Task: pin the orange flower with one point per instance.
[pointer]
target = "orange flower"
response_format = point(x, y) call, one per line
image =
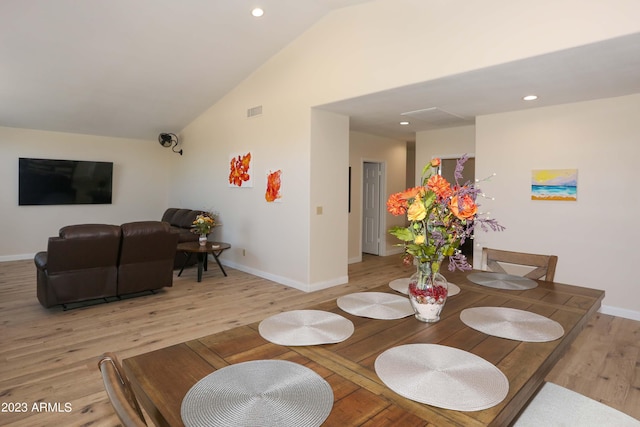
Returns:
point(410, 193)
point(440, 186)
point(463, 209)
point(396, 205)
point(435, 162)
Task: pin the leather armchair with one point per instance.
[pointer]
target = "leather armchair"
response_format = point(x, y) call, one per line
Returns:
point(181, 221)
point(80, 264)
point(146, 256)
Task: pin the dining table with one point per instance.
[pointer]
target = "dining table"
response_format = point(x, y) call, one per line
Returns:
point(162, 378)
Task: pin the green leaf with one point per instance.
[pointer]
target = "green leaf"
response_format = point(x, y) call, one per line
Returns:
point(402, 233)
point(431, 197)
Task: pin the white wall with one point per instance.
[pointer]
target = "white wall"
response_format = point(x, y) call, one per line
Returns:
point(329, 199)
point(443, 143)
point(270, 240)
point(392, 154)
point(140, 182)
point(595, 237)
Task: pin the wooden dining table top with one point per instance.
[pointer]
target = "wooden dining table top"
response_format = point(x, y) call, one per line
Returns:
point(162, 378)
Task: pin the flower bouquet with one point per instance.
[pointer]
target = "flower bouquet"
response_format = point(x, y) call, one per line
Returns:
point(441, 217)
point(202, 225)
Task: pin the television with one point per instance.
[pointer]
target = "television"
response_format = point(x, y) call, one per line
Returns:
point(64, 182)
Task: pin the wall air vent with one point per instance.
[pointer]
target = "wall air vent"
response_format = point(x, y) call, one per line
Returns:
point(254, 111)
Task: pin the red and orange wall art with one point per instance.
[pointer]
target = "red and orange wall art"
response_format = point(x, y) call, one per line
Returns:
point(239, 170)
point(274, 183)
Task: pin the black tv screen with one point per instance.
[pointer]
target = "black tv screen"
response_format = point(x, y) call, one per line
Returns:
point(64, 182)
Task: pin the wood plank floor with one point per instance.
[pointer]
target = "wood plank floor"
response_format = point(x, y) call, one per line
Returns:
point(49, 356)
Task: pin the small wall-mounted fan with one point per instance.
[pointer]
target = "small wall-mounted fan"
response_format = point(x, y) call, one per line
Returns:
point(169, 139)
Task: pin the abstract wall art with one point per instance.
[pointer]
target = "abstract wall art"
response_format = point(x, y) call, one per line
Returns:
point(240, 173)
point(274, 186)
point(554, 184)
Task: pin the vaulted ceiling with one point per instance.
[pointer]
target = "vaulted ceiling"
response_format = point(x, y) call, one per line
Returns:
point(134, 69)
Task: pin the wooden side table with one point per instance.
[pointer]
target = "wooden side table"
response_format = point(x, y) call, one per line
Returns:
point(201, 251)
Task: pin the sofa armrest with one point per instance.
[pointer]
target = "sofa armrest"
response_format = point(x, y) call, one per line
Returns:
point(41, 260)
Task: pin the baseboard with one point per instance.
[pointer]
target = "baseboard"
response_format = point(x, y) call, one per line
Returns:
point(620, 312)
point(394, 251)
point(18, 257)
point(305, 287)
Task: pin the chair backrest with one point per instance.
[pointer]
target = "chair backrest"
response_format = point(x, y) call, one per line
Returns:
point(82, 247)
point(80, 264)
point(182, 218)
point(119, 391)
point(147, 256)
point(543, 265)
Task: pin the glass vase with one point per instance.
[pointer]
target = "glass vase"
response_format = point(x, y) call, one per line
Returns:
point(202, 239)
point(427, 293)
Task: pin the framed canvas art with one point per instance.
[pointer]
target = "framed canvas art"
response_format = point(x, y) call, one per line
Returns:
point(274, 186)
point(554, 184)
point(240, 173)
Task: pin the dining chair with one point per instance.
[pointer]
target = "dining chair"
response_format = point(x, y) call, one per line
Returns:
point(119, 391)
point(554, 405)
point(543, 265)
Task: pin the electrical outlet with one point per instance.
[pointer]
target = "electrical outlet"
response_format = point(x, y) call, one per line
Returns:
point(318, 210)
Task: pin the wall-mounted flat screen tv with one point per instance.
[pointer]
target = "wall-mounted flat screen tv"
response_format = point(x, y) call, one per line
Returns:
point(64, 182)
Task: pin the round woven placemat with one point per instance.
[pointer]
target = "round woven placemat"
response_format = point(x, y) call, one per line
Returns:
point(502, 281)
point(512, 324)
point(402, 286)
point(258, 393)
point(376, 305)
point(305, 327)
point(442, 376)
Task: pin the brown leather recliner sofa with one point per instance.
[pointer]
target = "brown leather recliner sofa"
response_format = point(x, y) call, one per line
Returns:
point(92, 261)
point(181, 221)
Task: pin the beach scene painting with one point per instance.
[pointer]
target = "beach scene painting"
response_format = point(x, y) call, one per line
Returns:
point(554, 184)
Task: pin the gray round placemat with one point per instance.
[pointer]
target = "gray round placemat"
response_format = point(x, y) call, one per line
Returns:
point(512, 324)
point(376, 305)
point(305, 327)
point(502, 281)
point(258, 393)
point(402, 286)
point(442, 376)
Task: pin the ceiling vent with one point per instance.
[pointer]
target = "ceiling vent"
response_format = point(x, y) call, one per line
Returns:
point(254, 111)
point(437, 117)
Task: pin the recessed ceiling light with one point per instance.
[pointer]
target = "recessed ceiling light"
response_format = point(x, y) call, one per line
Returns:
point(530, 98)
point(404, 123)
point(257, 12)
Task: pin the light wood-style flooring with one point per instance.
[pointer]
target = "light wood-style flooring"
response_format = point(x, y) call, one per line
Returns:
point(48, 357)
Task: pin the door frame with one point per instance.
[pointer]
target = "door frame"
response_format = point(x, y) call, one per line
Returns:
point(473, 243)
point(452, 157)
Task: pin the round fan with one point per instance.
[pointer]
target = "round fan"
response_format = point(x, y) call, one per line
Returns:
point(169, 139)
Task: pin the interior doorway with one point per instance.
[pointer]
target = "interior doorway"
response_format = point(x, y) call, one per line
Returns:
point(371, 208)
point(447, 170)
